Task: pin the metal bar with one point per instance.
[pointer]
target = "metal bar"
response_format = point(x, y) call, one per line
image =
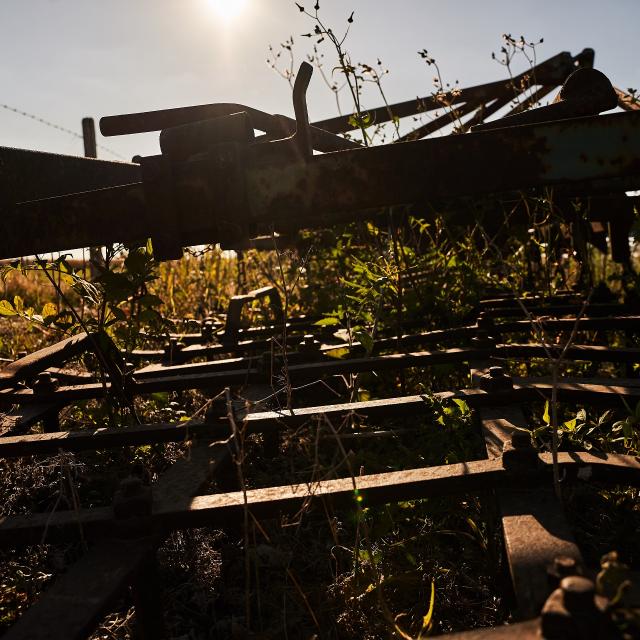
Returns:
point(196, 350)
point(590, 353)
point(552, 71)
point(72, 607)
point(534, 527)
point(296, 194)
point(451, 116)
point(228, 508)
point(89, 138)
point(66, 611)
point(598, 390)
point(28, 366)
point(274, 125)
point(20, 419)
point(56, 175)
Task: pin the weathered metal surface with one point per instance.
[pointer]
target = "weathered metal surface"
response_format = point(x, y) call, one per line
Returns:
point(75, 603)
point(275, 125)
point(195, 349)
point(30, 175)
point(586, 92)
point(225, 508)
point(534, 527)
point(594, 391)
point(301, 194)
point(553, 72)
point(33, 363)
point(72, 607)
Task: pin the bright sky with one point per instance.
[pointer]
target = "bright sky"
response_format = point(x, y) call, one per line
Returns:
point(65, 59)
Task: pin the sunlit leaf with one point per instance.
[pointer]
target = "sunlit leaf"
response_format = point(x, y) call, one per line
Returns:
point(6, 308)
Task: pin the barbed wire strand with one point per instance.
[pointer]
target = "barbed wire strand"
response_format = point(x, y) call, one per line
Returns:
point(53, 125)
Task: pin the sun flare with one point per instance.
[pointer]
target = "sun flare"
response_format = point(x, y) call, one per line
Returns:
point(227, 10)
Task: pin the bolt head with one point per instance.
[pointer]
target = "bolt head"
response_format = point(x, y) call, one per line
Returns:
point(130, 486)
point(521, 439)
point(578, 593)
point(564, 566)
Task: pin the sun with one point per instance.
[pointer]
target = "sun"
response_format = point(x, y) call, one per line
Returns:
point(227, 10)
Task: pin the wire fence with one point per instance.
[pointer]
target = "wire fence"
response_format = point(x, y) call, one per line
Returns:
point(53, 125)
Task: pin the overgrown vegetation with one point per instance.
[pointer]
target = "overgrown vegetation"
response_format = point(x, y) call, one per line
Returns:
point(404, 570)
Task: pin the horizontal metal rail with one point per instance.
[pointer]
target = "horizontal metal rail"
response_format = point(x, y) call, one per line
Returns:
point(272, 502)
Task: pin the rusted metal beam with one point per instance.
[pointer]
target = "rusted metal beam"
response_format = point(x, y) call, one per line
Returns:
point(283, 191)
point(534, 527)
point(588, 390)
point(33, 363)
point(74, 604)
point(553, 72)
point(226, 508)
point(56, 175)
point(72, 607)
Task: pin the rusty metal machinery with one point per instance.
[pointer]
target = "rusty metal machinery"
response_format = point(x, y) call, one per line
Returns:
point(538, 539)
point(215, 181)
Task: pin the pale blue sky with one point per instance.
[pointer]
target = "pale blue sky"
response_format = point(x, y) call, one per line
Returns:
point(65, 59)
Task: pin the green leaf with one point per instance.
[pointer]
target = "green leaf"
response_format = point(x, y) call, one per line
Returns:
point(18, 304)
point(6, 308)
point(137, 262)
point(118, 313)
point(327, 322)
point(462, 405)
point(49, 310)
point(570, 425)
point(428, 617)
point(338, 354)
point(545, 416)
point(365, 340)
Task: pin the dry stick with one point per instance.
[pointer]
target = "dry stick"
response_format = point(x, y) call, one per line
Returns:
point(554, 395)
point(290, 574)
point(367, 539)
point(239, 461)
point(75, 502)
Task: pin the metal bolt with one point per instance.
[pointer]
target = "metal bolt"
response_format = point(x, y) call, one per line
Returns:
point(521, 439)
point(133, 499)
point(564, 566)
point(309, 344)
point(130, 486)
point(485, 321)
point(482, 340)
point(496, 380)
point(578, 594)
point(173, 346)
point(518, 454)
point(45, 383)
point(206, 329)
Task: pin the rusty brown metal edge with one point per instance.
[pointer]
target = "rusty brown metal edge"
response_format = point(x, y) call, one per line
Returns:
point(222, 509)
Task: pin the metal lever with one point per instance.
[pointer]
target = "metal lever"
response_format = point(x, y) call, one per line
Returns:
point(302, 136)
